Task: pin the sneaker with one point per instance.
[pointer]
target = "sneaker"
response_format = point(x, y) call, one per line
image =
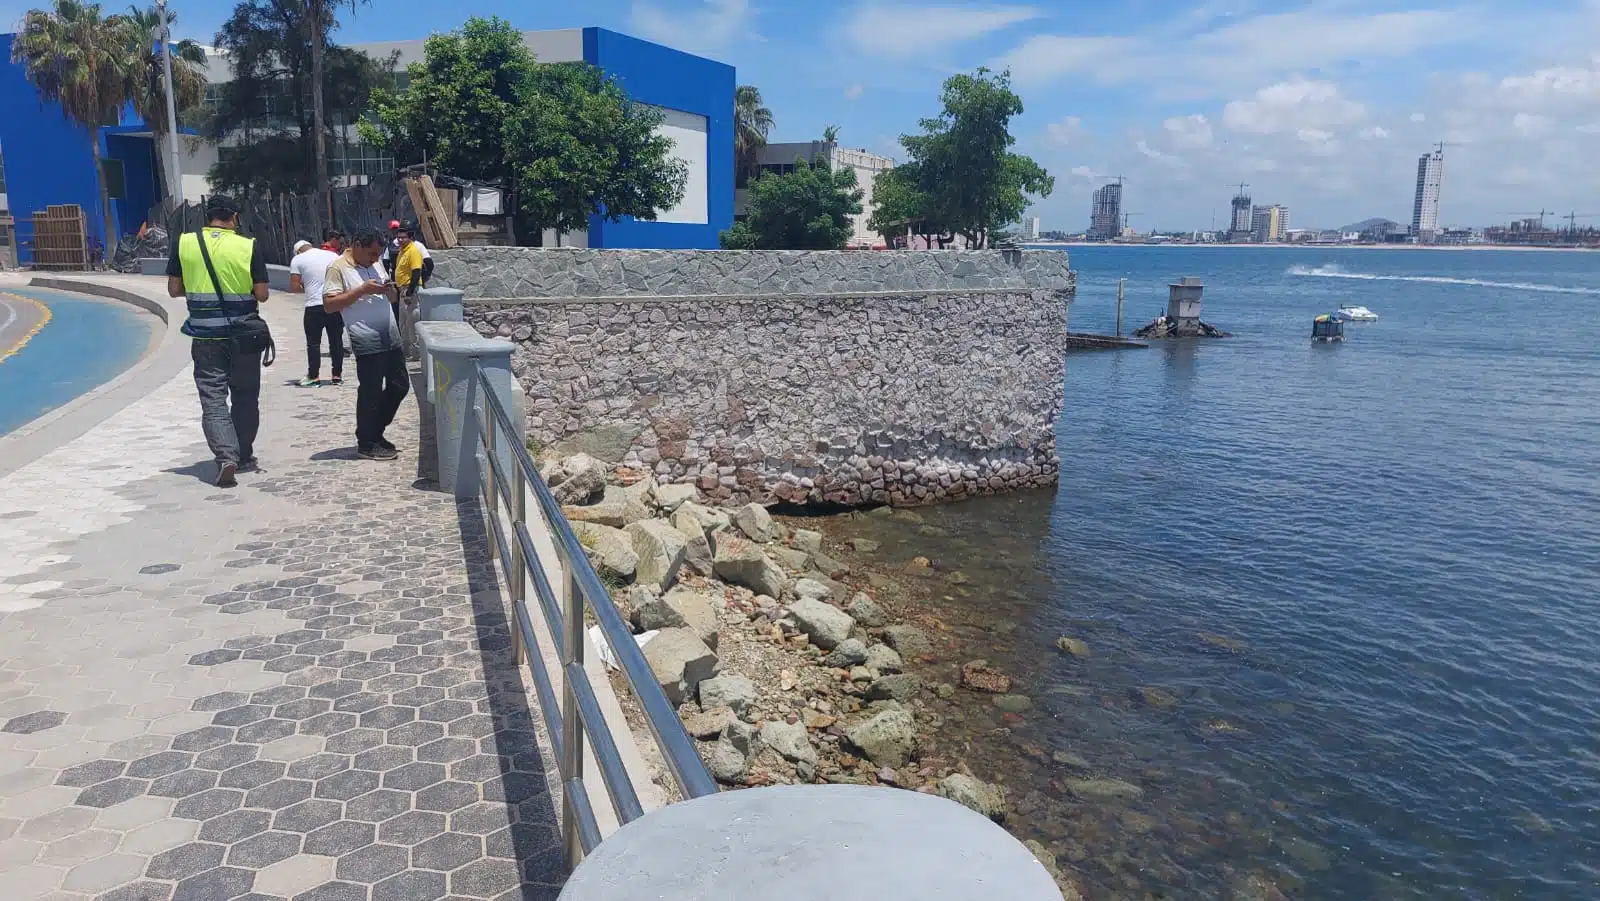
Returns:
point(384, 443)
point(309, 383)
point(336, 380)
point(225, 473)
point(250, 465)
point(376, 452)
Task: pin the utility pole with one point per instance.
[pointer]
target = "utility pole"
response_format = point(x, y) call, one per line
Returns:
point(1120, 282)
point(175, 184)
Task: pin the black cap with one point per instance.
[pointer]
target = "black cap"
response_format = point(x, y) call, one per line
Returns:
point(221, 206)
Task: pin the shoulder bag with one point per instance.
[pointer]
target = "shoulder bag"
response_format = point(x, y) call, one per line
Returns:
point(249, 334)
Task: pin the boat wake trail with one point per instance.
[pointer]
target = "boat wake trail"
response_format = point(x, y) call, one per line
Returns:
point(1336, 272)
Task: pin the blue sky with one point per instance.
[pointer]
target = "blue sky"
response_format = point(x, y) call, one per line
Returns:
point(1321, 106)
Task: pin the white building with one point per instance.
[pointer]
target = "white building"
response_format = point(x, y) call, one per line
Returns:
point(1030, 228)
point(1425, 210)
point(1268, 224)
point(780, 158)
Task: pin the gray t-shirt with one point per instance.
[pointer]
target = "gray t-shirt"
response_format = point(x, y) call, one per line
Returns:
point(369, 321)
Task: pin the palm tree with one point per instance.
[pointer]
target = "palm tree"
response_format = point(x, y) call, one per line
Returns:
point(321, 20)
point(149, 93)
point(830, 134)
point(752, 122)
point(79, 59)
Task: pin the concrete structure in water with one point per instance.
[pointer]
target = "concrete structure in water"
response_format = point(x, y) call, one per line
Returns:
point(48, 160)
point(787, 375)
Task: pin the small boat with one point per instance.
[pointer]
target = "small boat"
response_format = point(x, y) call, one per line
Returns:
point(1327, 328)
point(1351, 312)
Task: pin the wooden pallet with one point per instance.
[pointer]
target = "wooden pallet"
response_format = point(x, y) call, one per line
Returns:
point(438, 228)
point(60, 240)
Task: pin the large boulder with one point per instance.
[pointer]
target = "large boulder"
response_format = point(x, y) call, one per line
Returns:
point(884, 659)
point(661, 550)
point(643, 491)
point(790, 740)
point(743, 563)
point(729, 690)
point(811, 588)
point(866, 611)
point(976, 795)
point(680, 608)
point(825, 624)
point(671, 497)
point(610, 549)
point(755, 522)
point(680, 661)
point(808, 541)
point(575, 479)
point(887, 739)
point(697, 553)
point(828, 566)
point(789, 558)
point(710, 520)
point(846, 654)
point(908, 640)
point(901, 687)
point(616, 508)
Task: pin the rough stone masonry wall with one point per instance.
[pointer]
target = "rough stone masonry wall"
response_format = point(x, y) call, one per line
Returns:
point(846, 396)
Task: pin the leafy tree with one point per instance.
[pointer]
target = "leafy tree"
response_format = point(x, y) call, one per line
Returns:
point(563, 138)
point(577, 147)
point(149, 88)
point(459, 97)
point(830, 134)
point(83, 61)
point(320, 20)
point(267, 102)
point(807, 209)
point(973, 182)
point(752, 122)
point(901, 207)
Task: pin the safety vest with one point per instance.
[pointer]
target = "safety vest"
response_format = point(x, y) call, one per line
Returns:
point(209, 316)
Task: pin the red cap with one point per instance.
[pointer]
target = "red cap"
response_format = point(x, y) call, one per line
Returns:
point(394, 223)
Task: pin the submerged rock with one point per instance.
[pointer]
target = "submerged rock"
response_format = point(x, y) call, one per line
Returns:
point(978, 675)
point(975, 795)
point(1104, 789)
point(863, 545)
point(1077, 647)
point(901, 688)
point(1159, 698)
point(1013, 703)
point(908, 640)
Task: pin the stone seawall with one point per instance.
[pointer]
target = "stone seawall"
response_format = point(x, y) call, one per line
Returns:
point(853, 397)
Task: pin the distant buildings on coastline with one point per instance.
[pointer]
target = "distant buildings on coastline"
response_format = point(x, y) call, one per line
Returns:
point(1425, 209)
point(1105, 212)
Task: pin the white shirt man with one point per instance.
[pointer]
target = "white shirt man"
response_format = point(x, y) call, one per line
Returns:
point(308, 273)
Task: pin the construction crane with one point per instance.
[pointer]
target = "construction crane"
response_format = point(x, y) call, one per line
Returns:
point(1541, 214)
point(1125, 219)
point(1572, 220)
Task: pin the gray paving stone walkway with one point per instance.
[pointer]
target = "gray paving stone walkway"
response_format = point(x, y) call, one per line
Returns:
point(302, 689)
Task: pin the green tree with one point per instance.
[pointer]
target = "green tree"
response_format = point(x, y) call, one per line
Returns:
point(752, 122)
point(830, 134)
point(974, 183)
point(576, 147)
point(80, 59)
point(563, 138)
point(320, 20)
point(807, 209)
point(149, 89)
point(901, 207)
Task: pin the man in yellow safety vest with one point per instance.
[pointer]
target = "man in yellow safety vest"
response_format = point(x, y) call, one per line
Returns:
point(216, 307)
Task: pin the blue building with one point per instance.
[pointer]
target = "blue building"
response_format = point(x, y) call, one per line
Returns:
point(48, 160)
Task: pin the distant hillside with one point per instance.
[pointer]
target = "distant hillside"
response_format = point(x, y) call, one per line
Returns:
point(1368, 224)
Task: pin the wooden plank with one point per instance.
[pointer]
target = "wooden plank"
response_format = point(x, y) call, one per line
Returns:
point(430, 236)
point(451, 200)
point(445, 231)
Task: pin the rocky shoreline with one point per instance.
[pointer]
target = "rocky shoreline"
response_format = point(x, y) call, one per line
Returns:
point(788, 663)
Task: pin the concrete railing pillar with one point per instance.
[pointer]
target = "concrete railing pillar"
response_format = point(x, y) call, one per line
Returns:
point(796, 842)
point(439, 305)
point(452, 351)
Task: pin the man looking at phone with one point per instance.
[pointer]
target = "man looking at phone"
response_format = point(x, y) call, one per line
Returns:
point(359, 290)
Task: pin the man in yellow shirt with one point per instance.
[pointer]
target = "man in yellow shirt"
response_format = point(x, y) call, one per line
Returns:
point(411, 268)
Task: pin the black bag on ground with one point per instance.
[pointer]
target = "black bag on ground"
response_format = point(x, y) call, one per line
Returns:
point(250, 334)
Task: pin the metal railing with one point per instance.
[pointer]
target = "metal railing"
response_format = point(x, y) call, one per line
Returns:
point(578, 714)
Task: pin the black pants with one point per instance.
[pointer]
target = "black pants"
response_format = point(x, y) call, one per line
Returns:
point(317, 321)
point(221, 376)
point(384, 383)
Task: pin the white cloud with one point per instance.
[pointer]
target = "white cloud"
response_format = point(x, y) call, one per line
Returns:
point(1554, 84)
point(1590, 128)
point(1083, 172)
point(1293, 106)
point(853, 92)
point(1374, 133)
point(1065, 132)
point(910, 30)
point(1529, 125)
point(1043, 57)
point(709, 29)
point(1189, 132)
point(1165, 159)
point(1418, 117)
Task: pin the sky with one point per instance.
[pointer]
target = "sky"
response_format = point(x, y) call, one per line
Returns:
point(1322, 106)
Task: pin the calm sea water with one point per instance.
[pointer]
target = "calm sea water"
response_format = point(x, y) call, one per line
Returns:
point(1344, 600)
point(86, 343)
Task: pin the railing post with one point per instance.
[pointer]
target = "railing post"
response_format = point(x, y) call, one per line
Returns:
point(519, 564)
point(571, 719)
point(439, 305)
point(454, 352)
point(490, 430)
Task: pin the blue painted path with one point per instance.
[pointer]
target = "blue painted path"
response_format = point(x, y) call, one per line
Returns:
point(84, 344)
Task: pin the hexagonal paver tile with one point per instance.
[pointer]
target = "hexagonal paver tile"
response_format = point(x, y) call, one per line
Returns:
point(387, 717)
point(445, 711)
point(411, 828)
point(135, 812)
point(346, 785)
point(303, 709)
point(159, 836)
point(476, 769)
point(38, 721)
point(235, 826)
point(447, 852)
point(417, 885)
point(208, 804)
point(112, 792)
point(387, 757)
point(360, 702)
point(185, 861)
point(57, 824)
point(445, 797)
point(226, 757)
point(220, 884)
point(264, 850)
point(243, 715)
point(414, 776)
point(222, 700)
point(103, 873)
point(354, 741)
point(264, 731)
point(486, 878)
point(163, 764)
point(181, 784)
point(340, 838)
point(78, 848)
point(447, 750)
point(335, 891)
point(480, 819)
point(254, 774)
point(372, 863)
point(279, 793)
point(212, 658)
point(307, 816)
point(319, 766)
point(292, 748)
point(377, 806)
point(140, 891)
point(203, 739)
point(86, 774)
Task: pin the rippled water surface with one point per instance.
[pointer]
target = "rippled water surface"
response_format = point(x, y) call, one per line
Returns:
point(1343, 601)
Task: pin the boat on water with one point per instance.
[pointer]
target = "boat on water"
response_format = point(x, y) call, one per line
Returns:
point(1327, 328)
point(1351, 312)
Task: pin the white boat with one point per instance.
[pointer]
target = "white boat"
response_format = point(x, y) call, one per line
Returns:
point(1351, 312)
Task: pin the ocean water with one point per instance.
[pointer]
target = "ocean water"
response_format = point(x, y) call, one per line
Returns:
point(86, 343)
point(1343, 601)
